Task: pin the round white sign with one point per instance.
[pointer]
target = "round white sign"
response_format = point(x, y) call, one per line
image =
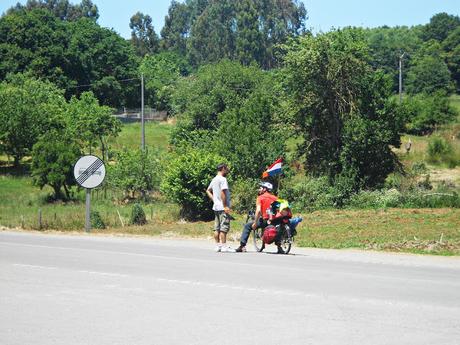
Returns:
point(89, 171)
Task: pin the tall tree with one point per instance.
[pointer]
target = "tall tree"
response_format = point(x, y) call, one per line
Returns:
point(210, 30)
point(102, 62)
point(249, 37)
point(340, 107)
point(176, 28)
point(451, 46)
point(440, 26)
point(388, 44)
point(75, 55)
point(62, 9)
point(28, 108)
point(143, 36)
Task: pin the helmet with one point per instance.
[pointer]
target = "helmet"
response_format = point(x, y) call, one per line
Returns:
point(267, 185)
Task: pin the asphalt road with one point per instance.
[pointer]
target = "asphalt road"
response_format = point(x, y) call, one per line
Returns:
point(60, 289)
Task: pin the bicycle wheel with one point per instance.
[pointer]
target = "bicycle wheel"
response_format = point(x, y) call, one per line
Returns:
point(257, 237)
point(285, 239)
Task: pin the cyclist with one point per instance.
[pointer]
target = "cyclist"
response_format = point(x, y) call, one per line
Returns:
point(263, 203)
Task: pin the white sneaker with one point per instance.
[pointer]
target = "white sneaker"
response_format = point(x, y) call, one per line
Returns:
point(227, 249)
point(218, 249)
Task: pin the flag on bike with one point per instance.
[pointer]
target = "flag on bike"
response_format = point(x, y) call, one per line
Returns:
point(274, 169)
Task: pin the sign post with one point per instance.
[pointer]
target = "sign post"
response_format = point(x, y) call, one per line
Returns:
point(89, 173)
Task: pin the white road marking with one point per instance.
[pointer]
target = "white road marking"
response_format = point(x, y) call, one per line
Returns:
point(36, 266)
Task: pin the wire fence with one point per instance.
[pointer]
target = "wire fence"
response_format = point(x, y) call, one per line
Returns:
point(134, 114)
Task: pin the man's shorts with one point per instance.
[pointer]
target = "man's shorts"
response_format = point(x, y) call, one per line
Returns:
point(221, 221)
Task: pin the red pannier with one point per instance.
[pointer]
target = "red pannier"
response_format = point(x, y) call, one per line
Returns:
point(270, 233)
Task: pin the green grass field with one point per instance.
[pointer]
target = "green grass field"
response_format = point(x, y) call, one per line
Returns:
point(156, 135)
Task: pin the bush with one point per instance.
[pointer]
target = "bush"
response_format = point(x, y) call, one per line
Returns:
point(186, 178)
point(137, 215)
point(441, 151)
point(53, 157)
point(308, 193)
point(244, 194)
point(96, 220)
point(136, 172)
point(423, 113)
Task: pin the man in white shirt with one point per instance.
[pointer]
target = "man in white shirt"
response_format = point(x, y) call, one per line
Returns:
point(219, 193)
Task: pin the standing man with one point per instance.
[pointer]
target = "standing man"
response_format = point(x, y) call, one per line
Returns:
point(219, 193)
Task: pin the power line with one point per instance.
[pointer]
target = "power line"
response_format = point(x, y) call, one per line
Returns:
point(87, 85)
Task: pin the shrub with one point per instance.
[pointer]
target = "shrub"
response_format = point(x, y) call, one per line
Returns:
point(244, 194)
point(96, 220)
point(423, 113)
point(136, 172)
point(186, 178)
point(308, 193)
point(137, 215)
point(441, 151)
point(53, 157)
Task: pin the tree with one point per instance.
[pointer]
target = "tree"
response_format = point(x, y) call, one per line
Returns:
point(249, 38)
point(62, 9)
point(161, 73)
point(185, 180)
point(76, 55)
point(230, 110)
point(388, 44)
point(340, 107)
point(451, 47)
point(422, 112)
point(104, 62)
point(135, 172)
point(176, 28)
point(35, 42)
point(143, 36)
point(429, 75)
point(212, 35)
point(440, 26)
point(28, 108)
point(91, 123)
point(53, 158)
point(209, 30)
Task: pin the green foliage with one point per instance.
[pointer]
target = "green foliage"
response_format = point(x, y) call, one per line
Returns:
point(440, 26)
point(423, 113)
point(91, 123)
point(161, 72)
point(137, 215)
point(62, 9)
point(54, 156)
point(410, 199)
point(186, 178)
point(341, 108)
point(429, 74)
point(441, 151)
point(451, 47)
point(244, 194)
point(387, 45)
point(28, 108)
point(96, 220)
point(143, 36)
point(230, 109)
point(69, 53)
point(135, 173)
point(307, 193)
point(248, 31)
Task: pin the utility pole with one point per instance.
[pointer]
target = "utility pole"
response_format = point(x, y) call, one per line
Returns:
point(400, 77)
point(142, 113)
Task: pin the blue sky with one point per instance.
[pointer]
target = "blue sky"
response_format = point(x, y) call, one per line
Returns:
point(323, 14)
